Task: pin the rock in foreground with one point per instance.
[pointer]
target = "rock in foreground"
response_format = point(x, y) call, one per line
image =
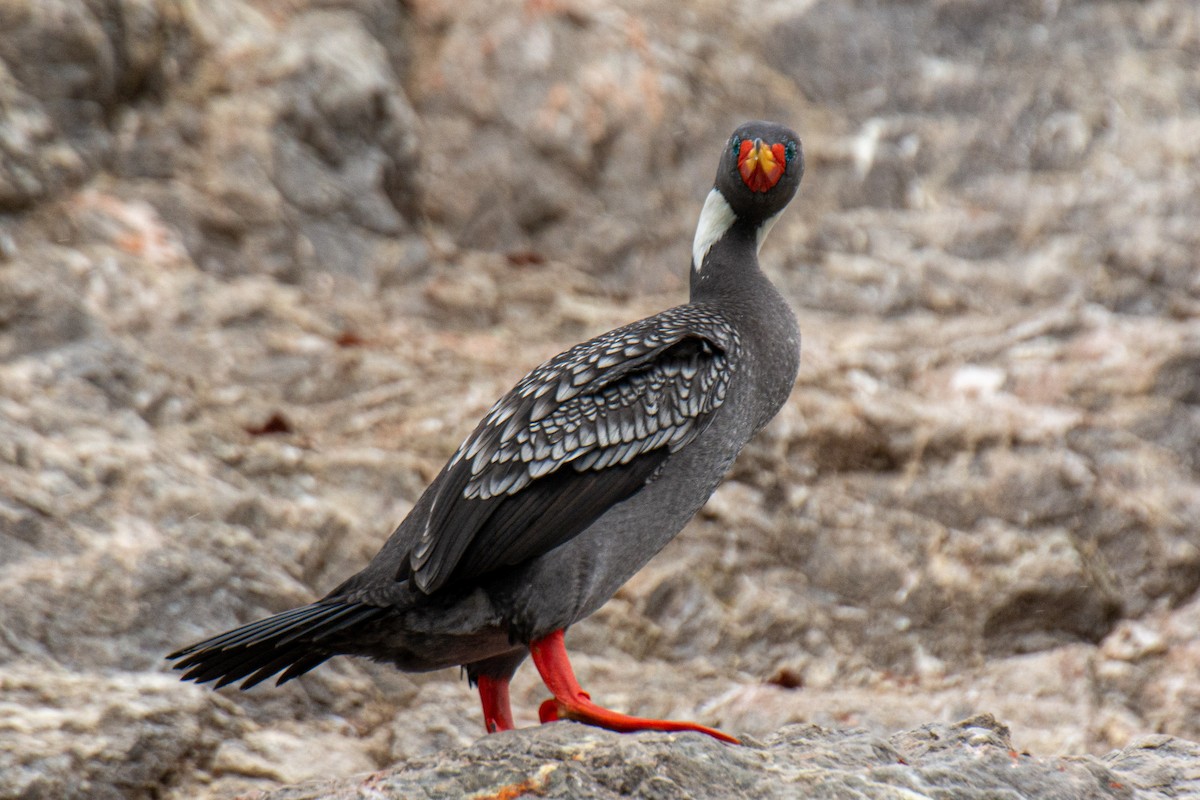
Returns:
point(972, 759)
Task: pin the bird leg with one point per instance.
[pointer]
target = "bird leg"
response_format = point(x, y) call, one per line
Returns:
point(572, 702)
point(497, 712)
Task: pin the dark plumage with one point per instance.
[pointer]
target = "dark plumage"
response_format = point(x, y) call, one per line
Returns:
point(578, 434)
point(572, 481)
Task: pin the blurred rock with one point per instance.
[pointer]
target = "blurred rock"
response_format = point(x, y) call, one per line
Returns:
point(70, 73)
point(114, 736)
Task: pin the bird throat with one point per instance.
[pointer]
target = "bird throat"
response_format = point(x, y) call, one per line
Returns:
point(716, 218)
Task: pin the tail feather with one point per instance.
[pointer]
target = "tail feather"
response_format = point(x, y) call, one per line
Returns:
point(248, 633)
point(299, 668)
point(265, 671)
point(296, 641)
point(319, 630)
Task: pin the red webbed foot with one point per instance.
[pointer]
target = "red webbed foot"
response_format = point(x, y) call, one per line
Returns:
point(571, 702)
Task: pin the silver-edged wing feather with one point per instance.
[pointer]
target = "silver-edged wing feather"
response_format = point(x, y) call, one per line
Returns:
point(575, 436)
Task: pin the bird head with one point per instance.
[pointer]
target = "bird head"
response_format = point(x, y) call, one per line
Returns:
point(760, 169)
point(759, 173)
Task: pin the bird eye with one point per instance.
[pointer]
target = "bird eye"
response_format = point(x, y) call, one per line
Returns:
point(790, 151)
point(735, 144)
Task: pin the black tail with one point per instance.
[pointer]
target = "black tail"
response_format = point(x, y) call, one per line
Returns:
point(295, 641)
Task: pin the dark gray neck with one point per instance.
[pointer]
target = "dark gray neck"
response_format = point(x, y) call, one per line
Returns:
point(730, 266)
point(769, 352)
point(725, 251)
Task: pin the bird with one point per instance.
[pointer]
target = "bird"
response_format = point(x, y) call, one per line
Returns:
point(571, 482)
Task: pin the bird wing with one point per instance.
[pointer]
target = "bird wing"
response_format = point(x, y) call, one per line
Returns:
point(577, 435)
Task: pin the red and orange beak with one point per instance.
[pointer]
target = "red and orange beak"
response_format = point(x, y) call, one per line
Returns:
point(760, 164)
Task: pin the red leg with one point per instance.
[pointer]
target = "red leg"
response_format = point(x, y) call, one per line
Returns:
point(497, 712)
point(572, 702)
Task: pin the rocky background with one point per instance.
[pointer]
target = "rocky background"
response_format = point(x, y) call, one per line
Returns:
point(264, 263)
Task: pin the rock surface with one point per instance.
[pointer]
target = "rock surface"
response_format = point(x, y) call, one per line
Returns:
point(970, 760)
point(263, 266)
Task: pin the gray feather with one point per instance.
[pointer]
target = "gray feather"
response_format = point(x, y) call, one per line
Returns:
point(604, 402)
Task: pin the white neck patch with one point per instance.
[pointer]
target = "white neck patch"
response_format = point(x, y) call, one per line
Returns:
point(715, 219)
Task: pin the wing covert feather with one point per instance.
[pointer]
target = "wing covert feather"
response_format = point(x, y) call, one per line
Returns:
point(580, 433)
